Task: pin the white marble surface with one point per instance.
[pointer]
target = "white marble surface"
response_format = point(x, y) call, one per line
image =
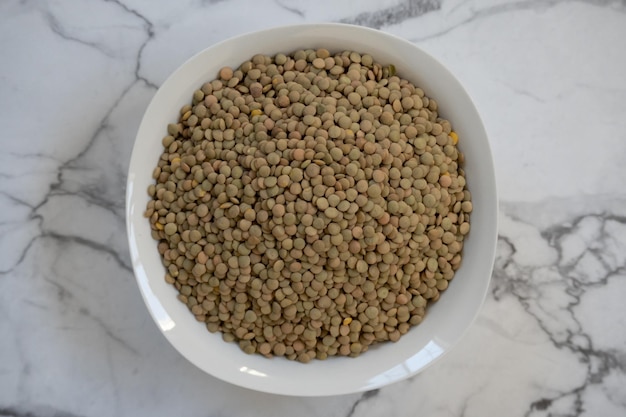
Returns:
point(548, 78)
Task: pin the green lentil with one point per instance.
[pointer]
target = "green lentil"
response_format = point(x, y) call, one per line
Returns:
point(301, 199)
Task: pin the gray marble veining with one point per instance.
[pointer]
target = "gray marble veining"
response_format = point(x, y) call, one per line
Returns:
point(547, 76)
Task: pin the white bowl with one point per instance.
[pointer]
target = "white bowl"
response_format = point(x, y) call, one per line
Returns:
point(446, 320)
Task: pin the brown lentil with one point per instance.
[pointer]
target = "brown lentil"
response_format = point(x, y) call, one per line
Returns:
point(309, 205)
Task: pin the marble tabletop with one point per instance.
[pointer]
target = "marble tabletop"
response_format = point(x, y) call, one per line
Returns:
point(548, 79)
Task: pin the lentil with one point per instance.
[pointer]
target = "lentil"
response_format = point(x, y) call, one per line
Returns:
point(309, 205)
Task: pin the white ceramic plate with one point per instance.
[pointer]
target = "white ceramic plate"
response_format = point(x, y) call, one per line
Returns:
point(445, 322)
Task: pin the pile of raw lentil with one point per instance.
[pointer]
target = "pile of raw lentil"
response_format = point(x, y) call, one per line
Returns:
point(309, 205)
